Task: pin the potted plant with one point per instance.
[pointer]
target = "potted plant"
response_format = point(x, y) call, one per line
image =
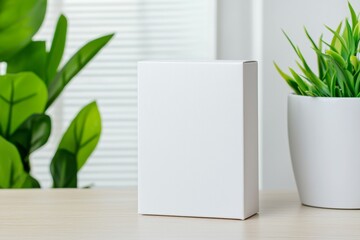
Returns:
point(32, 82)
point(324, 119)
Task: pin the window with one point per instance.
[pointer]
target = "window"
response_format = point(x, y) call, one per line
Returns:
point(145, 29)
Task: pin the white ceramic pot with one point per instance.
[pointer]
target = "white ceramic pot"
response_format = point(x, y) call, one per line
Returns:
point(324, 139)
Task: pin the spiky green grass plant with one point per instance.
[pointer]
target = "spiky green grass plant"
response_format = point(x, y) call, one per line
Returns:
point(338, 63)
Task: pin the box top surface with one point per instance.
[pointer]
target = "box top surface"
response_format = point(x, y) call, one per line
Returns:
point(197, 61)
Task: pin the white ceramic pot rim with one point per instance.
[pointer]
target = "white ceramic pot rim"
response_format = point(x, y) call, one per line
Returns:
point(326, 99)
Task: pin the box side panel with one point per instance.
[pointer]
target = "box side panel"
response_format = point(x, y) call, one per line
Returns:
point(140, 75)
point(251, 184)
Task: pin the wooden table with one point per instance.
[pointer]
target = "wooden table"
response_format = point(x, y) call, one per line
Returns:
point(112, 214)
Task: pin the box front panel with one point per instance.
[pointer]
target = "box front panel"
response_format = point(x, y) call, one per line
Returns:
point(191, 139)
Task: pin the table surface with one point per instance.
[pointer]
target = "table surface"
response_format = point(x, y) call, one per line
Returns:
point(112, 214)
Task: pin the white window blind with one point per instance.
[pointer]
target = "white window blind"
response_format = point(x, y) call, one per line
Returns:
point(145, 29)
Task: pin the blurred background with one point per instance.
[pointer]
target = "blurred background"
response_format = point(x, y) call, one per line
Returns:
point(179, 29)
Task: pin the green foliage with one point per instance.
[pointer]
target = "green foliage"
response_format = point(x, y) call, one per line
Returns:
point(12, 174)
point(74, 65)
point(19, 21)
point(57, 48)
point(31, 135)
point(21, 95)
point(338, 63)
point(33, 81)
point(78, 142)
point(23, 61)
point(63, 169)
point(83, 134)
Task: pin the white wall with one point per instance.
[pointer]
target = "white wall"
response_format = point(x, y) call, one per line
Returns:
point(252, 29)
point(234, 29)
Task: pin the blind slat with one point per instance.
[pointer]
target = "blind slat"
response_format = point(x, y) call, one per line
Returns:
point(145, 29)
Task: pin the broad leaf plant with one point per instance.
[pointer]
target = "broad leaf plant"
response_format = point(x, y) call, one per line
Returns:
point(33, 80)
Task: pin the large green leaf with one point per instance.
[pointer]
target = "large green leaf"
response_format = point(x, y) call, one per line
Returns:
point(77, 144)
point(12, 174)
point(31, 135)
point(83, 134)
point(30, 59)
point(64, 170)
point(21, 95)
point(19, 21)
point(74, 65)
point(57, 48)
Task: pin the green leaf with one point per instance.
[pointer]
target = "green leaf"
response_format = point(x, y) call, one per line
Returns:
point(338, 92)
point(318, 84)
point(291, 42)
point(74, 65)
point(321, 86)
point(30, 182)
point(26, 181)
point(340, 38)
point(77, 144)
point(357, 32)
point(357, 84)
point(19, 21)
point(354, 62)
point(333, 85)
point(40, 127)
point(320, 59)
point(289, 80)
point(322, 64)
point(346, 85)
point(57, 48)
point(10, 164)
point(337, 58)
point(21, 95)
point(331, 47)
point(63, 169)
point(30, 59)
point(12, 174)
point(354, 18)
point(83, 134)
point(348, 36)
point(335, 43)
point(31, 135)
point(302, 84)
point(310, 38)
point(351, 81)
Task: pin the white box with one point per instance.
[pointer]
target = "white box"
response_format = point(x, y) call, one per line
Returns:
point(198, 138)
